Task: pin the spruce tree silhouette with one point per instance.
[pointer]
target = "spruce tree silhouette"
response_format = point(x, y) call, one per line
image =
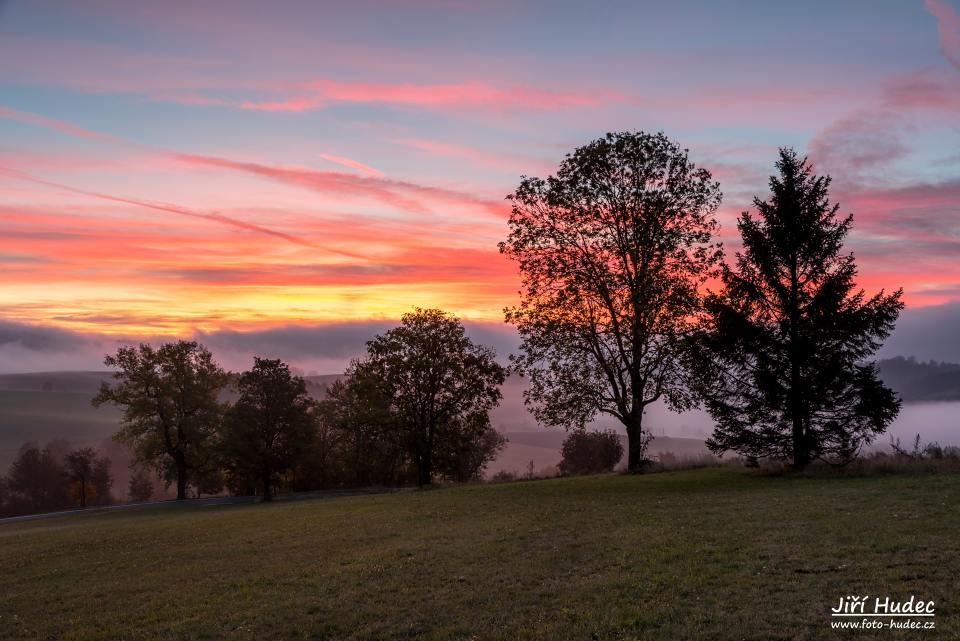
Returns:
point(783, 369)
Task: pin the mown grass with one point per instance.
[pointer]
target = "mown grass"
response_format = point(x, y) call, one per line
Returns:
point(699, 554)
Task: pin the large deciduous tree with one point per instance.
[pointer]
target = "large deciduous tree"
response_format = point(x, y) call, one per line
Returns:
point(613, 250)
point(783, 369)
point(271, 424)
point(437, 386)
point(171, 407)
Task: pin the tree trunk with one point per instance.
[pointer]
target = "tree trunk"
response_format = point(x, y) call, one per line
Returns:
point(801, 453)
point(424, 468)
point(267, 485)
point(181, 482)
point(181, 463)
point(634, 425)
point(801, 457)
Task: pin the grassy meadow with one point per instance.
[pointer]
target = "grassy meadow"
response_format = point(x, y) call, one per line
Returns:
point(705, 554)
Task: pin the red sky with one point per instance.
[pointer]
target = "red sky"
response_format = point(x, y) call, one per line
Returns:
point(181, 168)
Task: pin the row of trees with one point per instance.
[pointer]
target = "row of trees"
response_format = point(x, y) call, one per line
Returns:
point(414, 408)
point(55, 477)
point(626, 300)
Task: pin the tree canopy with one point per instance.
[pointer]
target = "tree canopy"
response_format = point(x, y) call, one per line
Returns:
point(271, 424)
point(613, 251)
point(171, 406)
point(437, 386)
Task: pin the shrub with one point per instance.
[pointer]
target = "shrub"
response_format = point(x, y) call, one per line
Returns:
point(590, 452)
point(915, 458)
point(670, 462)
point(504, 476)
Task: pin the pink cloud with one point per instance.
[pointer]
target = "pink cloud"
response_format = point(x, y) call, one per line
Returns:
point(948, 29)
point(859, 143)
point(296, 103)
point(403, 195)
point(52, 123)
point(353, 164)
point(478, 156)
point(470, 95)
point(924, 89)
point(166, 207)
point(873, 139)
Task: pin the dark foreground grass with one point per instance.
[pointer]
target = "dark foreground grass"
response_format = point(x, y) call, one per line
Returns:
point(700, 554)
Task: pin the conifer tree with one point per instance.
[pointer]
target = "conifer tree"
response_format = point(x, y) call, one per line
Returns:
point(784, 368)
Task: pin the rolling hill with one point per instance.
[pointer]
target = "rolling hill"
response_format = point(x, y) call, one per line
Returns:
point(718, 554)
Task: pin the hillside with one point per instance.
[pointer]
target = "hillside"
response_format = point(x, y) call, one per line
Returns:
point(704, 554)
point(542, 447)
point(917, 381)
point(53, 405)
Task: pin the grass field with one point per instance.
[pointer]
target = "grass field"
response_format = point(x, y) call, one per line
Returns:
point(701, 554)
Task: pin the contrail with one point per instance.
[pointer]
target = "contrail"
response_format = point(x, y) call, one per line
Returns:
point(175, 209)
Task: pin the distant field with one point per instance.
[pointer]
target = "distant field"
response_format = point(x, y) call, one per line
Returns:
point(40, 416)
point(50, 405)
point(56, 405)
point(703, 554)
point(543, 448)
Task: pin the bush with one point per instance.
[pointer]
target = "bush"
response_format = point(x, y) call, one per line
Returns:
point(670, 462)
point(505, 476)
point(590, 452)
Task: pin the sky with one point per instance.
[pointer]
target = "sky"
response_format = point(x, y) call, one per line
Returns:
point(289, 178)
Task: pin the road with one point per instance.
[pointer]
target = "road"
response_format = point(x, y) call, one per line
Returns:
point(205, 502)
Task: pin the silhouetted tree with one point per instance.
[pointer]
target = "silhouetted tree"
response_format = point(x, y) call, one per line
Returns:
point(783, 370)
point(89, 476)
point(436, 384)
point(270, 425)
point(36, 481)
point(369, 450)
point(5, 506)
point(464, 456)
point(590, 452)
point(140, 489)
point(360, 416)
point(171, 410)
point(612, 251)
point(102, 481)
point(322, 464)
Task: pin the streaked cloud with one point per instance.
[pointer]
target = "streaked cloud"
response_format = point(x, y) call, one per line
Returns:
point(164, 207)
point(52, 123)
point(467, 95)
point(352, 164)
point(948, 29)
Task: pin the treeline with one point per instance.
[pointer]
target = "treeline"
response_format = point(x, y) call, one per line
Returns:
point(55, 477)
point(414, 409)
